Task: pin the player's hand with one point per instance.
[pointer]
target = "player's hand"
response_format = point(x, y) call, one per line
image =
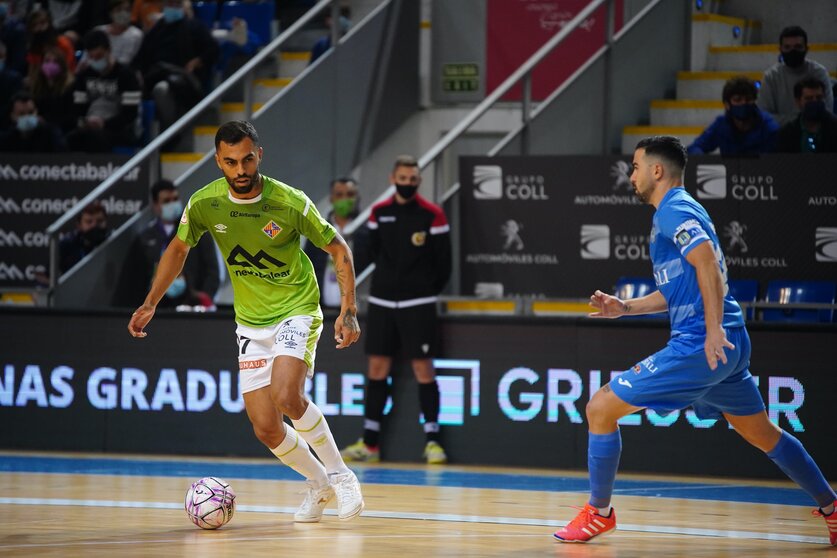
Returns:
point(346, 329)
point(139, 320)
point(607, 306)
point(716, 341)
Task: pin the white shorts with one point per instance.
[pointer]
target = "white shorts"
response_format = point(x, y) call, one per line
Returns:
point(296, 336)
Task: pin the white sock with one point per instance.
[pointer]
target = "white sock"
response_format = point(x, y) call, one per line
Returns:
point(294, 452)
point(312, 426)
point(605, 512)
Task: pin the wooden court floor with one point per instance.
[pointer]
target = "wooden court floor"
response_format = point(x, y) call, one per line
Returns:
point(93, 511)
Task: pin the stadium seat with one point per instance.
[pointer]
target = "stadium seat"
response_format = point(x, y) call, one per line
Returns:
point(258, 15)
point(788, 292)
point(745, 291)
point(635, 287)
point(207, 12)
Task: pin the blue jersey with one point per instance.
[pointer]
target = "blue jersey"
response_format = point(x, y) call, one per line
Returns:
point(680, 224)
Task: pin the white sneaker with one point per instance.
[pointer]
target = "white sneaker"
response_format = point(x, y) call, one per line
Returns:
point(316, 499)
point(349, 498)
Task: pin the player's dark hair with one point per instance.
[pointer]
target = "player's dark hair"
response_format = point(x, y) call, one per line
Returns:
point(96, 38)
point(807, 83)
point(667, 148)
point(346, 179)
point(793, 31)
point(739, 85)
point(235, 131)
point(160, 186)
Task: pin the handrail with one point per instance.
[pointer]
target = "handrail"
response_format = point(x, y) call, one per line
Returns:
point(175, 129)
point(522, 72)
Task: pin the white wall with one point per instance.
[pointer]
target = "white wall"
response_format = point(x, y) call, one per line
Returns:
point(817, 17)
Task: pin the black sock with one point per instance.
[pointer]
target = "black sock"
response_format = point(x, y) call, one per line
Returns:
point(429, 403)
point(376, 400)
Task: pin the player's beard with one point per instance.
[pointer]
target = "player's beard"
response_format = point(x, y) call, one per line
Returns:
point(645, 196)
point(244, 189)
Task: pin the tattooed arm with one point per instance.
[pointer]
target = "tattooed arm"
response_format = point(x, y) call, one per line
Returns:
point(346, 328)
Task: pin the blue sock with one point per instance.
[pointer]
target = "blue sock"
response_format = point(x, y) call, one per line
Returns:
point(796, 463)
point(603, 452)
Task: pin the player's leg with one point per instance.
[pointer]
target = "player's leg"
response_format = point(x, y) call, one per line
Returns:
point(418, 329)
point(604, 448)
point(793, 459)
point(380, 343)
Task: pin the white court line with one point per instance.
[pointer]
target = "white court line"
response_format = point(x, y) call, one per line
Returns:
point(752, 535)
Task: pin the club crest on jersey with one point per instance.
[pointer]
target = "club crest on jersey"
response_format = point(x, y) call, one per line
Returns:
point(419, 238)
point(271, 229)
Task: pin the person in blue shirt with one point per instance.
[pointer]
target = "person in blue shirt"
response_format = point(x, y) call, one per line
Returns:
point(705, 364)
point(743, 129)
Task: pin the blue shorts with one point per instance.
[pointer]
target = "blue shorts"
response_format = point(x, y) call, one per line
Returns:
point(679, 376)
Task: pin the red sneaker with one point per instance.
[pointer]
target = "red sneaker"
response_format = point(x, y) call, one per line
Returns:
point(588, 524)
point(830, 522)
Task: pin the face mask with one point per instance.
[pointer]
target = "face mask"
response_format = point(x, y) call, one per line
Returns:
point(27, 122)
point(344, 207)
point(172, 15)
point(50, 69)
point(743, 112)
point(94, 236)
point(406, 191)
point(122, 17)
point(794, 58)
point(99, 65)
point(177, 288)
point(170, 212)
point(813, 110)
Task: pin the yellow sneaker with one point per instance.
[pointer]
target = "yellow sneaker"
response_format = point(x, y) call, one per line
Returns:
point(360, 452)
point(435, 454)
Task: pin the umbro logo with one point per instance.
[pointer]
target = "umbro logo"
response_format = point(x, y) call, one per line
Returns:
point(221, 228)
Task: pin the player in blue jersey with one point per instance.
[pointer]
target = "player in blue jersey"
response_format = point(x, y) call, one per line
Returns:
point(705, 363)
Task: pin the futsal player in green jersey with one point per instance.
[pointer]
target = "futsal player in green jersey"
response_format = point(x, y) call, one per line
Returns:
point(256, 221)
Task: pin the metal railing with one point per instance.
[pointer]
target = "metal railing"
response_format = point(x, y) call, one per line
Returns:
point(245, 73)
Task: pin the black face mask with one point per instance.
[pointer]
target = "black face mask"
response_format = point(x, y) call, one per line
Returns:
point(814, 110)
point(794, 58)
point(406, 191)
point(94, 236)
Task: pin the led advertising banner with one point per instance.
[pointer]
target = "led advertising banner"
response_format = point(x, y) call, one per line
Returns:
point(513, 392)
point(36, 189)
point(550, 226)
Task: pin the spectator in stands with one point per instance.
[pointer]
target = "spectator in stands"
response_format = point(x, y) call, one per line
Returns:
point(125, 39)
point(106, 99)
point(176, 60)
point(10, 83)
point(52, 89)
point(13, 35)
point(815, 129)
point(41, 37)
point(74, 18)
point(324, 43)
point(237, 45)
point(91, 231)
point(743, 129)
point(27, 132)
point(201, 269)
point(777, 85)
point(181, 297)
point(145, 13)
point(344, 200)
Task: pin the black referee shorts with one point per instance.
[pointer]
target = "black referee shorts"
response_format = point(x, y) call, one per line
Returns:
point(413, 330)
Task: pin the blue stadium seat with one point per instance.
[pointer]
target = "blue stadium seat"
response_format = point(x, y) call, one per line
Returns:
point(258, 15)
point(635, 287)
point(787, 292)
point(745, 291)
point(207, 12)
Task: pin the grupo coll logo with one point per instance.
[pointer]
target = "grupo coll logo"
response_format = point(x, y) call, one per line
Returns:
point(490, 183)
point(711, 182)
point(595, 242)
point(714, 183)
point(826, 244)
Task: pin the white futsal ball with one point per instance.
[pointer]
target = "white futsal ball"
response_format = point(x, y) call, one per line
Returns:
point(210, 503)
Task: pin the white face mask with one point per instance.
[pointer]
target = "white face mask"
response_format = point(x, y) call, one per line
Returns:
point(170, 212)
point(122, 17)
point(99, 65)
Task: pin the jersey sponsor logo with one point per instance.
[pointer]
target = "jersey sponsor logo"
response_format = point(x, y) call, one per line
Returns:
point(623, 382)
point(386, 219)
point(826, 244)
point(184, 219)
point(252, 364)
point(595, 242)
point(215, 204)
point(683, 238)
point(419, 238)
point(271, 229)
point(221, 228)
point(241, 257)
point(637, 369)
point(267, 207)
point(244, 214)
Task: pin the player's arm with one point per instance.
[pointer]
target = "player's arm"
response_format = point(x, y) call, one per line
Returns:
point(609, 306)
point(170, 266)
point(702, 258)
point(346, 328)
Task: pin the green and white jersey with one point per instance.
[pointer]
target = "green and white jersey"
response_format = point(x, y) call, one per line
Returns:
point(259, 239)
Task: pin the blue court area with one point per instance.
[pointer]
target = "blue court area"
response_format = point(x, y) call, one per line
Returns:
point(409, 477)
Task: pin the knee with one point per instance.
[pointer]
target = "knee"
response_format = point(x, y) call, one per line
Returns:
point(289, 400)
point(594, 410)
point(270, 434)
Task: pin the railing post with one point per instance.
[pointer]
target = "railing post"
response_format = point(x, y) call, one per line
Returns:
point(335, 23)
point(54, 272)
point(608, 75)
point(248, 95)
point(526, 112)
